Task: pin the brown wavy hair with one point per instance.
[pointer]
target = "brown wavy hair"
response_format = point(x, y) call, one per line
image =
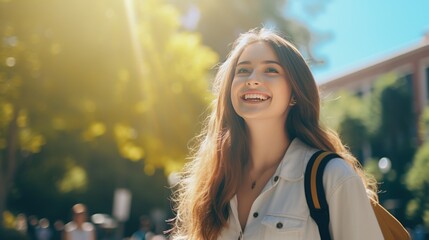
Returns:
point(211, 178)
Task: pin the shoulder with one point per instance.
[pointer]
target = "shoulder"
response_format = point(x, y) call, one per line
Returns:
point(338, 173)
point(69, 227)
point(338, 168)
point(88, 227)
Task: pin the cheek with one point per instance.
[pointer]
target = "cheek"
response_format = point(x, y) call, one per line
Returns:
point(285, 87)
point(283, 93)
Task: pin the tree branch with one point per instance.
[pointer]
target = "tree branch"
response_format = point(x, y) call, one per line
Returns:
point(12, 144)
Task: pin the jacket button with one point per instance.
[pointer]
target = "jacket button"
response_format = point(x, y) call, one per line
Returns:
point(276, 178)
point(255, 214)
point(279, 225)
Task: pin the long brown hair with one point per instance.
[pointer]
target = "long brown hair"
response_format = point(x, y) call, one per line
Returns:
point(211, 178)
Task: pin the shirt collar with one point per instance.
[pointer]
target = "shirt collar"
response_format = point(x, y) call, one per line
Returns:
point(294, 161)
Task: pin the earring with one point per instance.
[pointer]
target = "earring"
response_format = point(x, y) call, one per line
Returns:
point(292, 102)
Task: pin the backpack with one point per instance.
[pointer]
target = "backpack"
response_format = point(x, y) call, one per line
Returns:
point(391, 228)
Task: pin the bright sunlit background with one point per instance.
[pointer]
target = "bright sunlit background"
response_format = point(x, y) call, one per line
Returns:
point(106, 96)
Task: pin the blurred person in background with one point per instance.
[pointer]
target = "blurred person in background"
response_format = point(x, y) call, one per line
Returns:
point(144, 233)
point(21, 223)
point(33, 222)
point(246, 178)
point(158, 237)
point(58, 230)
point(79, 228)
point(43, 231)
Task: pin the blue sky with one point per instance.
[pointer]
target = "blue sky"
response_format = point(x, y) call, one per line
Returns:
point(363, 30)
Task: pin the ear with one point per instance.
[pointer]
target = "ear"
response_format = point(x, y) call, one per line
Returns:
point(292, 101)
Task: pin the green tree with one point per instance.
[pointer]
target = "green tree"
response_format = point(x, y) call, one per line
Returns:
point(376, 125)
point(348, 114)
point(71, 90)
point(396, 139)
point(417, 179)
point(220, 22)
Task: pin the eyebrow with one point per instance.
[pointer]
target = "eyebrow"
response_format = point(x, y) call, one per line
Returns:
point(266, 62)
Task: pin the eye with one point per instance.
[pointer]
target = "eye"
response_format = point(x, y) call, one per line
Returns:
point(271, 70)
point(242, 70)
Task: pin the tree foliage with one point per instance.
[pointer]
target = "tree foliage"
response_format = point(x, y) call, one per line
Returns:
point(348, 114)
point(75, 102)
point(220, 22)
point(417, 179)
point(380, 123)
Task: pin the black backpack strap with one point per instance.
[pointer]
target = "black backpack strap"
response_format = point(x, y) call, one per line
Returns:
point(315, 193)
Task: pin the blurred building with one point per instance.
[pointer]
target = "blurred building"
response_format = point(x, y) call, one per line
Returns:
point(410, 64)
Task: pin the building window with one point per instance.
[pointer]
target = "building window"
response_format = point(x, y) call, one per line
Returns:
point(408, 89)
point(409, 81)
point(359, 94)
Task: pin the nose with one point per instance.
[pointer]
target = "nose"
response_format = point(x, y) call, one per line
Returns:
point(251, 83)
point(253, 80)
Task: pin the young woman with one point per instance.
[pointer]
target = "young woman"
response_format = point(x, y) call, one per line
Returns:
point(245, 180)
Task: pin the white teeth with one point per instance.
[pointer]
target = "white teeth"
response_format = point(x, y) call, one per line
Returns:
point(255, 96)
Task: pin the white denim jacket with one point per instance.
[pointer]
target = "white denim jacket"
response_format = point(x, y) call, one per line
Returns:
point(281, 211)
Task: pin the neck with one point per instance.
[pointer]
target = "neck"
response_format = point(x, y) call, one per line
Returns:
point(268, 143)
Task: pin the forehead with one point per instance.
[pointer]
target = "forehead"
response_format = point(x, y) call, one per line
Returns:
point(258, 51)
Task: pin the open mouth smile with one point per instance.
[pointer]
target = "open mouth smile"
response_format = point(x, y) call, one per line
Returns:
point(255, 97)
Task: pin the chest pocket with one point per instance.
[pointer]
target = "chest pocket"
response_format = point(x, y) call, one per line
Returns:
point(283, 227)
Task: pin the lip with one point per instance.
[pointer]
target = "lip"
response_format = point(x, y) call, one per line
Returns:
point(265, 95)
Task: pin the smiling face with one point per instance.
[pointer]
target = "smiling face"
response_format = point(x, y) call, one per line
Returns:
point(259, 88)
